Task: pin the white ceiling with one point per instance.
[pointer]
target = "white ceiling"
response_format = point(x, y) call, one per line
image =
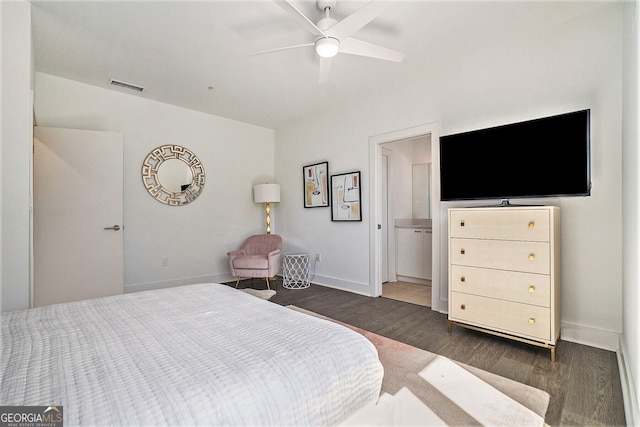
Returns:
point(177, 50)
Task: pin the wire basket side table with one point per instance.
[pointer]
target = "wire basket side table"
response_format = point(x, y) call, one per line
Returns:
point(295, 271)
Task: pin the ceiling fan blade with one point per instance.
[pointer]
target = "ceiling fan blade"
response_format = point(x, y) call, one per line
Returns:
point(358, 19)
point(325, 67)
point(281, 48)
point(358, 47)
point(299, 16)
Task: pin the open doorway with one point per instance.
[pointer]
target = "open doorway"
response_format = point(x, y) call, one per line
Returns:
point(405, 226)
point(406, 235)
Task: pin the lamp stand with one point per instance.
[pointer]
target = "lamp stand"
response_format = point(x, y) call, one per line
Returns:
point(267, 208)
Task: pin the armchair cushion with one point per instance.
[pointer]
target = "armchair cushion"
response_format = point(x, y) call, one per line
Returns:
point(254, 262)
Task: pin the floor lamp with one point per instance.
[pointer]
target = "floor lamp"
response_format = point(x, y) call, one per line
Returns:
point(266, 193)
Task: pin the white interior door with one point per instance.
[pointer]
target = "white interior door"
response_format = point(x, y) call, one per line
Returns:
point(77, 214)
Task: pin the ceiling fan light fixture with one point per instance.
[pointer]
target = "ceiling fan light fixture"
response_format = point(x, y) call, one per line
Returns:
point(327, 47)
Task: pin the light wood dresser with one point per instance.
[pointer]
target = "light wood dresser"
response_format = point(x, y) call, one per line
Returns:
point(504, 272)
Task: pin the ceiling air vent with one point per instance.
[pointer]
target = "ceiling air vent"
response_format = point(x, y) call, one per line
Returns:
point(126, 85)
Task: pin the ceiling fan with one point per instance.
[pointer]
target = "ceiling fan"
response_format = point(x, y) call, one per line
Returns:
point(333, 37)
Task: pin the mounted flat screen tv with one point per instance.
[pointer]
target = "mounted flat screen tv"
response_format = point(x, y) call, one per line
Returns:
point(546, 157)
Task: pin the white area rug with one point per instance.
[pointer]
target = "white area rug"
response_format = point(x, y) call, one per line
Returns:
point(260, 293)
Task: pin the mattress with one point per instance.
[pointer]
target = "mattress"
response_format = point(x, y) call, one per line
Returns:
point(197, 354)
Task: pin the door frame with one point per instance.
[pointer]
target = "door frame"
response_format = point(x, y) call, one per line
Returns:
point(375, 142)
point(32, 119)
point(387, 155)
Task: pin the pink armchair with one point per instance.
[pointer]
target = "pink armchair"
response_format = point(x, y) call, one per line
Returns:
point(259, 256)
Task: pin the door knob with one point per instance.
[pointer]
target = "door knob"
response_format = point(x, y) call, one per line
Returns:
point(114, 228)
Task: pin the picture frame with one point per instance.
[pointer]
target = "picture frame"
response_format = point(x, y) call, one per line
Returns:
point(346, 197)
point(316, 189)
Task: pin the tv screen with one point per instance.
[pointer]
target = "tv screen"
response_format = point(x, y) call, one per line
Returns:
point(546, 157)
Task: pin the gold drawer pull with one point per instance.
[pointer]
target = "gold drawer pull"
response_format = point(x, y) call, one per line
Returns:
point(532, 288)
point(461, 251)
point(532, 257)
point(531, 224)
point(462, 223)
point(532, 321)
point(462, 279)
point(463, 306)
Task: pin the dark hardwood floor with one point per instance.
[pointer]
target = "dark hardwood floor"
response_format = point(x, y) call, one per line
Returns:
point(584, 383)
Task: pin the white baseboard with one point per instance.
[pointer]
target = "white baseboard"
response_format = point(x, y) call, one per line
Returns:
point(629, 392)
point(579, 334)
point(214, 278)
point(344, 285)
point(588, 335)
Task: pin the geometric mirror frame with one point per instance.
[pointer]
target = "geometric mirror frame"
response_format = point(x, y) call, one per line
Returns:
point(173, 175)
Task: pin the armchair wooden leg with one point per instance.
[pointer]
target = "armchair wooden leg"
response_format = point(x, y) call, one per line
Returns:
point(237, 281)
point(268, 283)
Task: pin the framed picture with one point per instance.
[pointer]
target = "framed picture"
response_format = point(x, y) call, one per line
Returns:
point(345, 197)
point(316, 185)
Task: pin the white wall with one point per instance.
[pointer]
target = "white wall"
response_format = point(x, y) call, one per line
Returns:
point(630, 343)
point(15, 154)
point(195, 237)
point(400, 178)
point(569, 67)
point(406, 153)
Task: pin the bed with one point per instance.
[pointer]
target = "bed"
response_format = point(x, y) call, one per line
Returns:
point(197, 354)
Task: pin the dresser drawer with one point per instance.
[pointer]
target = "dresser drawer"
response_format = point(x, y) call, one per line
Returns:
point(505, 316)
point(530, 257)
point(527, 288)
point(502, 224)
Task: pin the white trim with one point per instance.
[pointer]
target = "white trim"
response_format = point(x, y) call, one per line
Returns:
point(433, 129)
point(391, 236)
point(629, 393)
point(584, 335)
point(213, 278)
point(343, 285)
point(588, 335)
point(328, 281)
point(31, 236)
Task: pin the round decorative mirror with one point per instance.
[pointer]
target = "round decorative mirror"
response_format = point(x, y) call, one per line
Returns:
point(173, 175)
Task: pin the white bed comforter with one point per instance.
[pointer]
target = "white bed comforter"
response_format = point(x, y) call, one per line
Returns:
point(202, 354)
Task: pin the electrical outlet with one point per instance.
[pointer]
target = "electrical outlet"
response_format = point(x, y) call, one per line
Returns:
point(318, 257)
point(165, 261)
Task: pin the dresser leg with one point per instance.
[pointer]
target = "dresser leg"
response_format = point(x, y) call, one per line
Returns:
point(553, 354)
point(448, 327)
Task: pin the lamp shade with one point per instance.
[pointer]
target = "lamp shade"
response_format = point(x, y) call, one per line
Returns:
point(263, 193)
